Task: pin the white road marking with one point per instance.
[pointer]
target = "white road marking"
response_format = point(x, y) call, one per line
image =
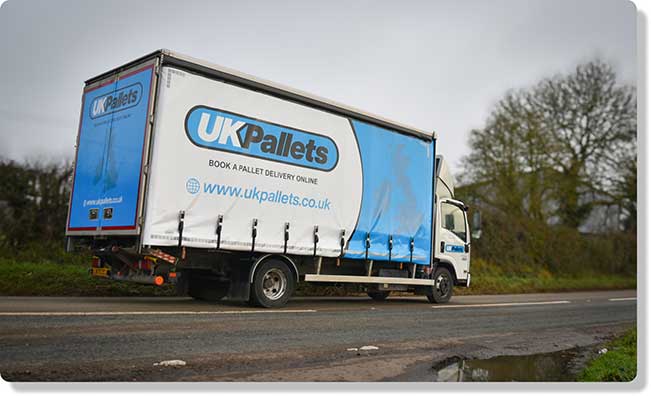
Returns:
point(168, 313)
point(511, 304)
point(135, 313)
point(173, 363)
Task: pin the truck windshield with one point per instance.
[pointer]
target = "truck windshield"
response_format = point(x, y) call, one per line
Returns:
point(453, 220)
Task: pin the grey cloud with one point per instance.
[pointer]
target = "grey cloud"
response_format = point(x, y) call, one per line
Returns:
point(437, 65)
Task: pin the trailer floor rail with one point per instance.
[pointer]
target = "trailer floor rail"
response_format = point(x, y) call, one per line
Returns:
point(368, 279)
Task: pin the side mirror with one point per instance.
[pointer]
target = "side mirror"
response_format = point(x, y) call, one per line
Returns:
point(476, 225)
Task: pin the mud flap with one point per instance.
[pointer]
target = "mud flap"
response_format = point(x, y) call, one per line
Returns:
point(240, 288)
point(182, 285)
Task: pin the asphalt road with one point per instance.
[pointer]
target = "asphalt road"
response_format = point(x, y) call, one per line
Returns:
point(121, 339)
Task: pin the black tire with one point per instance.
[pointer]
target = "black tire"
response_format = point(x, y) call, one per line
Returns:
point(379, 295)
point(207, 289)
point(441, 292)
point(273, 284)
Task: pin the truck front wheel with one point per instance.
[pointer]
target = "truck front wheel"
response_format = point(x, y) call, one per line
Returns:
point(441, 291)
point(273, 284)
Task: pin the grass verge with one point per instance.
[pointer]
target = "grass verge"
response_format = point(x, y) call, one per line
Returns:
point(491, 278)
point(488, 284)
point(33, 277)
point(70, 279)
point(618, 364)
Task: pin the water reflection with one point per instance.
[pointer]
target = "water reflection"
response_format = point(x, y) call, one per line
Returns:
point(556, 366)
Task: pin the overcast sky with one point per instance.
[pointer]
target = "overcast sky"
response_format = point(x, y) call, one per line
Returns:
point(436, 65)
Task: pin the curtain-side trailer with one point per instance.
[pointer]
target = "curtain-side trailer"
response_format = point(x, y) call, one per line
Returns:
point(228, 185)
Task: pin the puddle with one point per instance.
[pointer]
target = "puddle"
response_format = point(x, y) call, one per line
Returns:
point(555, 366)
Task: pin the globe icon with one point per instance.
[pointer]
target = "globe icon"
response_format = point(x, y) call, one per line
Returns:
point(192, 185)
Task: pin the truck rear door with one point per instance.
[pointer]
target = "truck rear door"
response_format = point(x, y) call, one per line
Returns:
point(112, 145)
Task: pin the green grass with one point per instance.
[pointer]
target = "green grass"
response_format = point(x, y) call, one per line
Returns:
point(67, 275)
point(45, 278)
point(489, 278)
point(618, 364)
point(490, 284)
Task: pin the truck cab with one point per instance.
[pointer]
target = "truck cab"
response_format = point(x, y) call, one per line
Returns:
point(452, 231)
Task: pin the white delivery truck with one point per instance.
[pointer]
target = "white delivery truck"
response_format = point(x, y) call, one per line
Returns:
point(228, 185)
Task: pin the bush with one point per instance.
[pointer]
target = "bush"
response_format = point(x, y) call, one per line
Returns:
point(523, 246)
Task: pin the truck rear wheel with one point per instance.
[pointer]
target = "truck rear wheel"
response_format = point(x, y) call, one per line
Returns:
point(441, 291)
point(379, 295)
point(273, 284)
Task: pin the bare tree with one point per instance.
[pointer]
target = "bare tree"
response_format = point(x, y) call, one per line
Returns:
point(568, 140)
point(509, 156)
point(591, 119)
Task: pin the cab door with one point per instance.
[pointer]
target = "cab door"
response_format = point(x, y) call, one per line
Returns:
point(453, 238)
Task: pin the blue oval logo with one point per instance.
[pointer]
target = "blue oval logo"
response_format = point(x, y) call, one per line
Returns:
point(221, 130)
point(121, 99)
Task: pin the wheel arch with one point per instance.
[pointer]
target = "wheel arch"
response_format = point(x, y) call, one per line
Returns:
point(270, 256)
point(449, 267)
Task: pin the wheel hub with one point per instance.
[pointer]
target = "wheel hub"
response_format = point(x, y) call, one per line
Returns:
point(442, 285)
point(274, 284)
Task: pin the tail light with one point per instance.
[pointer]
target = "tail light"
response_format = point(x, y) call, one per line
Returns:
point(95, 262)
point(147, 263)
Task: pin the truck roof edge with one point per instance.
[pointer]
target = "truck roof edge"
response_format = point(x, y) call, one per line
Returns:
point(175, 58)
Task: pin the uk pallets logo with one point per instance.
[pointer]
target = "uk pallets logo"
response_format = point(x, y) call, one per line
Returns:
point(225, 131)
point(121, 99)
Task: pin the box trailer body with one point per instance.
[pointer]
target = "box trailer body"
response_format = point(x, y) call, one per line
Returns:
point(189, 171)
